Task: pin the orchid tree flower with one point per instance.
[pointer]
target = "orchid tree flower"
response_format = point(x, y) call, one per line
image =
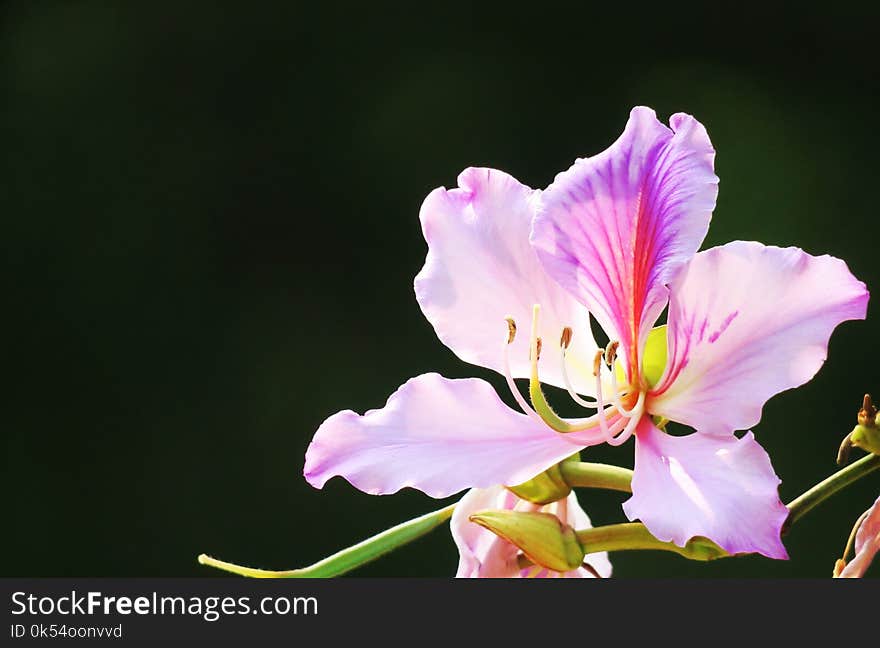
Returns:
point(616, 236)
point(867, 544)
point(746, 321)
point(483, 554)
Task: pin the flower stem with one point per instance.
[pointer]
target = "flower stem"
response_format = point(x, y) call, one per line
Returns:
point(805, 503)
point(634, 535)
point(595, 475)
point(350, 558)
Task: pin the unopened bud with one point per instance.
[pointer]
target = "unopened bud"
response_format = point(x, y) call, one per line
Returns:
point(866, 437)
point(542, 537)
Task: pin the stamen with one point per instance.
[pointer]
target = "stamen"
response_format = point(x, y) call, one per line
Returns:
point(565, 340)
point(634, 414)
point(634, 419)
point(610, 359)
point(511, 329)
point(563, 347)
point(611, 353)
point(539, 401)
point(508, 376)
point(617, 395)
point(597, 372)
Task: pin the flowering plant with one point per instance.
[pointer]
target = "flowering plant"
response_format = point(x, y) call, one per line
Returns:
point(616, 236)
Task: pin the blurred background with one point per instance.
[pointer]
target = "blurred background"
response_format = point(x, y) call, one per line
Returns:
point(210, 233)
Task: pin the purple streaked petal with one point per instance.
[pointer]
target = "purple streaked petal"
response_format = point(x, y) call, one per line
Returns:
point(480, 269)
point(615, 227)
point(482, 554)
point(747, 321)
point(437, 435)
point(722, 488)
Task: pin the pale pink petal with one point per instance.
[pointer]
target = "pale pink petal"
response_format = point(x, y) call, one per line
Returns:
point(867, 544)
point(480, 269)
point(615, 227)
point(437, 435)
point(482, 554)
point(747, 321)
point(722, 488)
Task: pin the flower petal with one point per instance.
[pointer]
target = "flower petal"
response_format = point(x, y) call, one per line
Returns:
point(867, 544)
point(747, 321)
point(481, 269)
point(482, 554)
point(615, 227)
point(722, 488)
point(437, 435)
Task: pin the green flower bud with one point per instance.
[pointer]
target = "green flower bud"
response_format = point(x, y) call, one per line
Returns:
point(866, 437)
point(542, 537)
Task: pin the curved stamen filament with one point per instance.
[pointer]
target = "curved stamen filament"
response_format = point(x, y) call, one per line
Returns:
point(539, 401)
point(634, 418)
point(563, 346)
point(634, 415)
point(597, 372)
point(611, 358)
point(511, 384)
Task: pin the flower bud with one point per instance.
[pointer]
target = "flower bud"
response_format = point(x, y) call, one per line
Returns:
point(542, 537)
point(545, 488)
point(866, 437)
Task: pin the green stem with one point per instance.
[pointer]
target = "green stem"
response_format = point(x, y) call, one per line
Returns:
point(352, 557)
point(805, 503)
point(634, 535)
point(595, 475)
point(615, 537)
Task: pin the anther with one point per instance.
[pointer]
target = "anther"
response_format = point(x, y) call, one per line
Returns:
point(611, 353)
point(511, 330)
point(538, 348)
point(565, 340)
point(597, 362)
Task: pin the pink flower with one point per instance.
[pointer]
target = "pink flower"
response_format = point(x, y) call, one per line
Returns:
point(482, 554)
point(616, 236)
point(867, 544)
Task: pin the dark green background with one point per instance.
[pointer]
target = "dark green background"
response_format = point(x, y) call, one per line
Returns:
point(210, 235)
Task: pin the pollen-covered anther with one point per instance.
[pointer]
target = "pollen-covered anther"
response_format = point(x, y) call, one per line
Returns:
point(611, 353)
point(565, 339)
point(511, 329)
point(597, 362)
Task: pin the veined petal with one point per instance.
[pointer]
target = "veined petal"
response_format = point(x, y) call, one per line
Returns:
point(437, 435)
point(747, 321)
point(615, 227)
point(482, 554)
point(867, 544)
point(722, 488)
point(481, 269)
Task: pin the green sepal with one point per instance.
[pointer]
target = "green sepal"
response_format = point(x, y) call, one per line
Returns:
point(867, 438)
point(547, 487)
point(542, 537)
